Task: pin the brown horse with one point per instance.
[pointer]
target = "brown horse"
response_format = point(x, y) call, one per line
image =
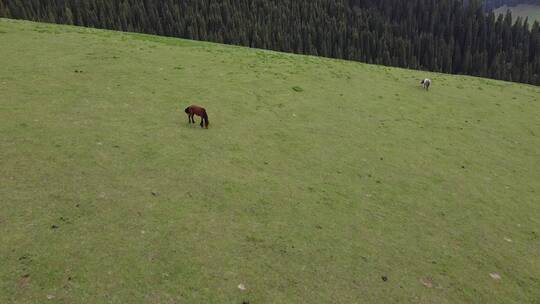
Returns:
point(199, 111)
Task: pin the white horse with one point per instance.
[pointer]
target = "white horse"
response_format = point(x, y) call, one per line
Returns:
point(426, 83)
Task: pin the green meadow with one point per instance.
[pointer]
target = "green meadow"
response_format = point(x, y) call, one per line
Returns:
point(318, 181)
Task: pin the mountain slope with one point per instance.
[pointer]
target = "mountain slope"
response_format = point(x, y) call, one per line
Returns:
point(435, 35)
point(317, 178)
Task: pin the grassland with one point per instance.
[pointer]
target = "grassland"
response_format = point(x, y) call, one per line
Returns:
point(523, 10)
point(316, 179)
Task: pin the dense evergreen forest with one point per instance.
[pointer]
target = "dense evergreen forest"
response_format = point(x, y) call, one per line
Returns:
point(438, 35)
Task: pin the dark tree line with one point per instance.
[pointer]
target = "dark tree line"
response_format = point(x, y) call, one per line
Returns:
point(438, 35)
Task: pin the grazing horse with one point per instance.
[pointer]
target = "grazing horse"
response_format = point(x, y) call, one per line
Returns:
point(199, 111)
point(426, 83)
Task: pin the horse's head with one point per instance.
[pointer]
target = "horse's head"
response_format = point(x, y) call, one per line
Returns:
point(422, 82)
point(206, 122)
point(187, 110)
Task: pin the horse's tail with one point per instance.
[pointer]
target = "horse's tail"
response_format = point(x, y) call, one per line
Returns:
point(205, 117)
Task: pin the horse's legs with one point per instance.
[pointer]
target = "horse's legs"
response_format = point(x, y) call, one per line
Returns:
point(202, 122)
point(191, 120)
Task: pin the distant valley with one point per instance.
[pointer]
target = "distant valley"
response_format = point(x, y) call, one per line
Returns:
point(531, 11)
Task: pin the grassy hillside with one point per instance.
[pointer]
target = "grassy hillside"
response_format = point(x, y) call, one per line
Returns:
point(523, 10)
point(316, 178)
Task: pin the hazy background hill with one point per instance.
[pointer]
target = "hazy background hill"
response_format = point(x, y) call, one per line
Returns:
point(529, 9)
point(494, 4)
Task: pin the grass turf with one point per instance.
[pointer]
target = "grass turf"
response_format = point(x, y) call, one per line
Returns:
point(316, 179)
